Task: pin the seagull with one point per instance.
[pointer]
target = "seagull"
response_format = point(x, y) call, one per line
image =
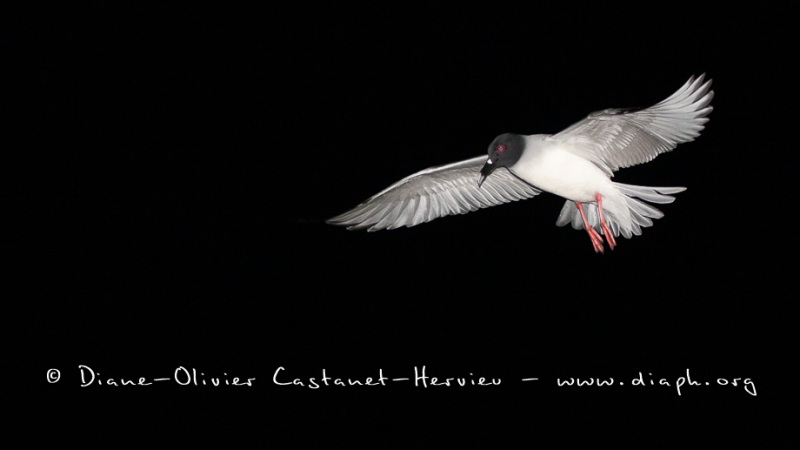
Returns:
point(576, 164)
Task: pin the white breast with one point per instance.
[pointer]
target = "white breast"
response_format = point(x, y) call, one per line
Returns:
point(549, 166)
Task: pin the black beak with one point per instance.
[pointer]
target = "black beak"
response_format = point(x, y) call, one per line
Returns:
point(485, 171)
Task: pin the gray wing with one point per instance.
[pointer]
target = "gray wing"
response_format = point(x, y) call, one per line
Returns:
point(435, 192)
point(616, 138)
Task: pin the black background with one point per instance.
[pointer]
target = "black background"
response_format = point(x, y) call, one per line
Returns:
point(172, 166)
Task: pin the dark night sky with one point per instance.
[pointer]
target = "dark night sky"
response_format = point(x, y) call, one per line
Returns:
point(173, 167)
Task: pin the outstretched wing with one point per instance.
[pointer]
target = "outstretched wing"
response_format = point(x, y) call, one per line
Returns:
point(616, 138)
point(435, 192)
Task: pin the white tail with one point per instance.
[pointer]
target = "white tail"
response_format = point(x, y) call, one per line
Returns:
point(639, 213)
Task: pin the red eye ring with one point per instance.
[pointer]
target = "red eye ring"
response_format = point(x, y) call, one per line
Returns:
point(500, 148)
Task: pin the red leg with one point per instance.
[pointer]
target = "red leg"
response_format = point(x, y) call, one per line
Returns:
point(597, 241)
point(603, 224)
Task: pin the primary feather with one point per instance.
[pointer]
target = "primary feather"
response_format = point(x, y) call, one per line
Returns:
point(435, 192)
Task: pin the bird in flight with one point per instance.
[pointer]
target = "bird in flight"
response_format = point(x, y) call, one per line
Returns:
point(576, 164)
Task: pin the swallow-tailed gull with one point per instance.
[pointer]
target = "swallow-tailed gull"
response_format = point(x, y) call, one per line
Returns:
point(576, 164)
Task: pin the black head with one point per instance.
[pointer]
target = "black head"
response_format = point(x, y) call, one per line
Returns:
point(504, 151)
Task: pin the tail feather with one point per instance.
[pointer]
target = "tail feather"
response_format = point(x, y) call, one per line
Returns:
point(650, 194)
point(640, 214)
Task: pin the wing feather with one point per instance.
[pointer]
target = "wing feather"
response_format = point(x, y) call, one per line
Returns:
point(617, 138)
point(435, 192)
